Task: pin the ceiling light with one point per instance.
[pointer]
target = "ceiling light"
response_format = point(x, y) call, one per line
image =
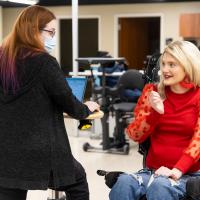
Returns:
point(29, 2)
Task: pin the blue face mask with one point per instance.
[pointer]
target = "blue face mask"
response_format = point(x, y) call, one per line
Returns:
point(49, 44)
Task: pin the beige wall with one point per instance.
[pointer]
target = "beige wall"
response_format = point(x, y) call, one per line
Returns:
point(170, 13)
point(1, 25)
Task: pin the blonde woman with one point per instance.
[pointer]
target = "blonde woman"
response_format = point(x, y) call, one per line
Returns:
point(168, 113)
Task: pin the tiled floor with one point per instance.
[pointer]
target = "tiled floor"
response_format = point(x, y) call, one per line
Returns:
point(93, 161)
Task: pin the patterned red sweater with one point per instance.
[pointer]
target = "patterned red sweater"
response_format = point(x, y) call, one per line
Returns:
point(175, 135)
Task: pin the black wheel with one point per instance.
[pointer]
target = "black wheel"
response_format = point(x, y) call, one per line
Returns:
point(64, 198)
point(86, 146)
point(126, 149)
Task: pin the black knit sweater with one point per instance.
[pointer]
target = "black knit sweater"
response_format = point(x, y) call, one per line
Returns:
point(33, 139)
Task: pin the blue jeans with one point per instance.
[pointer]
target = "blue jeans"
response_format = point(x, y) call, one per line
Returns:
point(144, 182)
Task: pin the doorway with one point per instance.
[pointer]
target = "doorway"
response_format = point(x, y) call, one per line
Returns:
point(88, 30)
point(137, 38)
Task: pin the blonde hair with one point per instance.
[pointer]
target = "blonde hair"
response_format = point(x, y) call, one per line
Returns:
point(188, 56)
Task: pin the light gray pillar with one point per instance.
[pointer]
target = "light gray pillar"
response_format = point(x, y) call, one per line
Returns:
point(75, 35)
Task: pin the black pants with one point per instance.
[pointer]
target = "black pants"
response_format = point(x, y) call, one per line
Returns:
point(12, 194)
point(77, 191)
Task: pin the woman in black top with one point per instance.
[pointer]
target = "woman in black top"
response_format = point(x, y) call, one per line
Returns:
point(34, 148)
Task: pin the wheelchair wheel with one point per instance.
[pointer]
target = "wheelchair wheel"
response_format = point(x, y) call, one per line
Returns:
point(86, 146)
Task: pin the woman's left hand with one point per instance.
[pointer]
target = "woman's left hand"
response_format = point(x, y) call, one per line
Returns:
point(163, 171)
point(174, 173)
point(156, 102)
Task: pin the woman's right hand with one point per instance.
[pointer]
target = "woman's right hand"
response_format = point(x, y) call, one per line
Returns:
point(156, 102)
point(93, 106)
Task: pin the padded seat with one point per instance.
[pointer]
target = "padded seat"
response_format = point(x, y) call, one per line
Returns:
point(124, 107)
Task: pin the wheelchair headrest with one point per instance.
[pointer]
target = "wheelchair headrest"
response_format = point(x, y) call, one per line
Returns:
point(131, 79)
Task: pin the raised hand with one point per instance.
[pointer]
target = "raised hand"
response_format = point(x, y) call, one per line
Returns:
point(156, 102)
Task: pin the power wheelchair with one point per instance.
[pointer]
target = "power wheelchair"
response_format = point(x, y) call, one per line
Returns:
point(193, 184)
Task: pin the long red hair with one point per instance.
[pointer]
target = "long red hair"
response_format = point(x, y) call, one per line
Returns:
point(24, 40)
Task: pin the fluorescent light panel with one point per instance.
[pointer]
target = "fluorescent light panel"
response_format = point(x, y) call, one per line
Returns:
point(29, 2)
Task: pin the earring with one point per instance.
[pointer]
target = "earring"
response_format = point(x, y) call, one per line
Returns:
point(186, 84)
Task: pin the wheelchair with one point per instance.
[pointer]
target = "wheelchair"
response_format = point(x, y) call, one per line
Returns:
point(193, 184)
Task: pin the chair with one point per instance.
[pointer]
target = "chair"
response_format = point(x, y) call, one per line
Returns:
point(121, 104)
point(129, 89)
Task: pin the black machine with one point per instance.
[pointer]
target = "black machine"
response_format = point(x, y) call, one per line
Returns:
point(106, 98)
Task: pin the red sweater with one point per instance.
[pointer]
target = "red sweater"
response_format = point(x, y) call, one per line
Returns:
point(174, 135)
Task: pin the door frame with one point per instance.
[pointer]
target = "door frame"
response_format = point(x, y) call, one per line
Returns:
point(57, 49)
point(138, 15)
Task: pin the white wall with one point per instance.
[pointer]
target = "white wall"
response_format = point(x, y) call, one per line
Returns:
point(1, 25)
point(170, 12)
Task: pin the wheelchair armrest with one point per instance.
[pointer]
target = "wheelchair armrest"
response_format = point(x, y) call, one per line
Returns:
point(110, 177)
point(144, 147)
point(193, 188)
point(143, 150)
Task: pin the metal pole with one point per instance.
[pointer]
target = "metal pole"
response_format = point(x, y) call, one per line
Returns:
point(75, 35)
point(75, 44)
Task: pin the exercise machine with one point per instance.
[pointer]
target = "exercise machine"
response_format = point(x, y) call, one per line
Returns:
point(107, 144)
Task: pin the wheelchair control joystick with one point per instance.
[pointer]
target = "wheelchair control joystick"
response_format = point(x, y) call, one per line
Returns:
point(102, 172)
point(110, 177)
